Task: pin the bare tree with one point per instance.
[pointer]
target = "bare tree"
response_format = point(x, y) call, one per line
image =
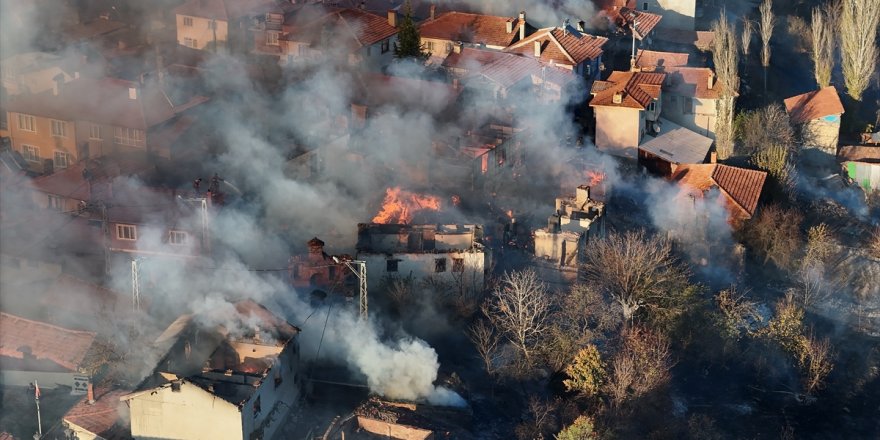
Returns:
point(642, 364)
point(736, 313)
point(486, 341)
point(816, 362)
point(769, 125)
point(635, 270)
point(775, 234)
point(823, 44)
point(540, 419)
point(859, 20)
point(519, 307)
point(765, 28)
point(725, 56)
point(746, 37)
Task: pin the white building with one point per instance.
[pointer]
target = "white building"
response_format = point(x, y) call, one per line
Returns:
point(235, 381)
point(568, 229)
point(447, 253)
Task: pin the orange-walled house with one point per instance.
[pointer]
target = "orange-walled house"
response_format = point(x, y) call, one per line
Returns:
point(625, 106)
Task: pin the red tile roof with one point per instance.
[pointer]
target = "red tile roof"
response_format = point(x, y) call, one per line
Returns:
point(654, 60)
point(65, 348)
point(107, 417)
point(568, 47)
point(742, 187)
point(859, 153)
point(474, 29)
point(639, 89)
point(105, 101)
point(6, 436)
point(645, 22)
point(702, 40)
point(692, 82)
point(814, 105)
point(505, 69)
point(353, 28)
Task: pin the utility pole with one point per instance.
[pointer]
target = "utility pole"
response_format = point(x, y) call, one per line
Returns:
point(39, 419)
point(203, 216)
point(361, 274)
point(135, 285)
point(632, 59)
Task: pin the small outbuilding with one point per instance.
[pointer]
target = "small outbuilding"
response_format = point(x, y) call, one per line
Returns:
point(817, 114)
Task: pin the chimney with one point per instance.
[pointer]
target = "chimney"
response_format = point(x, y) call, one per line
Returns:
point(581, 26)
point(509, 26)
point(522, 26)
point(711, 79)
point(455, 83)
point(392, 17)
point(457, 47)
point(581, 196)
point(618, 97)
point(90, 393)
point(433, 10)
point(713, 157)
point(133, 93)
point(537, 49)
point(316, 246)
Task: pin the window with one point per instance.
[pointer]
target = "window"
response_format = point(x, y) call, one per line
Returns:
point(588, 69)
point(187, 21)
point(278, 378)
point(56, 203)
point(126, 232)
point(129, 136)
point(177, 237)
point(257, 406)
point(95, 132)
point(191, 42)
point(458, 265)
point(30, 153)
point(686, 106)
point(26, 123)
point(60, 159)
point(391, 265)
point(651, 107)
point(272, 38)
point(386, 45)
point(369, 51)
point(59, 128)
point(645, 6)
point(429, 46)
point(440, 265)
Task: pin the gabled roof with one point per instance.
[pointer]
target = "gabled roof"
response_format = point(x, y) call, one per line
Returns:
point(106, 417)
point(859, 153)
point(561, 46)
point(692, 82)
point(813, 105)
point(106, 101)
point(222, 9)
point(351, 27)
point(657, 61)
point(741, 187)
point(490, 30)
point(638, 89)
point(27, 340)
point(640, 21)
point(677, 144)
point(505, 69)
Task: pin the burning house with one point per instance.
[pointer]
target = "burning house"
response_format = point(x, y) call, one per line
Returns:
point(232, 375)
point(577, 218)
point(316, 271)
point(452, 254)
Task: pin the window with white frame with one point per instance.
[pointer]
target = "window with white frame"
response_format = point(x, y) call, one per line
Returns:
point(30, 153)
point(177, 237)
point(129, 136)
point(27, 123)
point(190, 42)
point(60, 159)
point(96, 133)
point(55, 203)
point(59, 128)
point(272, 38)
point(187, 21)
point(651, 107)
point(126, 232)
point(429, 46)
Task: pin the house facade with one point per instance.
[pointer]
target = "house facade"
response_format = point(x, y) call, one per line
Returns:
point(452, 254)
point(237, 384)
point(217, 25)
point(576, 219)
point(817, 115)
point(566, 47)
point(88, 118)
point(626, 105)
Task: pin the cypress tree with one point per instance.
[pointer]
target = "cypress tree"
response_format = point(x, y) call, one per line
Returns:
point(409, 43)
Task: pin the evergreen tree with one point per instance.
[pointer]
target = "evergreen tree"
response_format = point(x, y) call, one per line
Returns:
point(409, 43)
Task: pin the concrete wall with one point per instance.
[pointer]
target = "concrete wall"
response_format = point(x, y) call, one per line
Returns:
point(618, 130)
point(191, 413)
point(560, 249)
point(201, 32)
point(701, 118)
point(822, 133)
point(393, 430)
point(422, 265)
point(677, 14)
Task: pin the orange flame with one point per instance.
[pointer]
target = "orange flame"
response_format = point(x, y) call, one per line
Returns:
point(509, 213)
point(400, 205)
point(595, 177)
